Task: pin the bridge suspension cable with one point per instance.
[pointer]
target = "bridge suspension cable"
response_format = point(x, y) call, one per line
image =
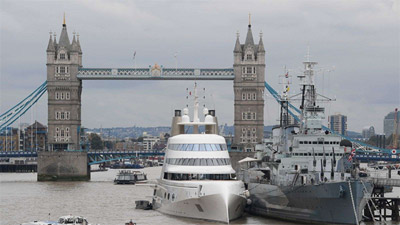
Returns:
point(356, 142)
point(10, 116)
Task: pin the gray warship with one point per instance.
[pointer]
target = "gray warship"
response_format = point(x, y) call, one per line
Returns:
point(305, 174)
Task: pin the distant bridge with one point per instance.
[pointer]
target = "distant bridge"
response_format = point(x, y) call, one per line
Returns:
point(98, 157)
point(95, 157)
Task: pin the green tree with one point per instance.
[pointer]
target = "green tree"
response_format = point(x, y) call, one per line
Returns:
point(95, 142)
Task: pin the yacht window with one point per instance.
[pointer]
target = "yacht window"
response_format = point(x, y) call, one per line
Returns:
point(198, 147)
point(326, 142)
point(314, 142)
point(168, 196)
point(320, 142)
point(197, 162)
point(301, 142)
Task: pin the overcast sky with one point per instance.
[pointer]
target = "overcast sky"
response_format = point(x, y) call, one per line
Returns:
point(355, 42)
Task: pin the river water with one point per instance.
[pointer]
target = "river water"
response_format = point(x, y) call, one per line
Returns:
point(22, 200)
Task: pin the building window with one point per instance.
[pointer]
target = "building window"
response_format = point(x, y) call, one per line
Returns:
point(62, 95)
point(248, 96)
point(243, 96)
point(57, 95)
point(254, 96)
point(249, 56)
point(67, 115)
point(57, 116)
point(62, 133)
point(67, 131)
point(249, 70)
point(62, 116)
point(248, 116)
point(62, 70)
point(62, 56)
point(67, 95)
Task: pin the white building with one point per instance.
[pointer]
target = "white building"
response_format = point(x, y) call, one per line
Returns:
point(149, 141)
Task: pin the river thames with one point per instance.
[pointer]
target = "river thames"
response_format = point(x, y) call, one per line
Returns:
point(23, 199)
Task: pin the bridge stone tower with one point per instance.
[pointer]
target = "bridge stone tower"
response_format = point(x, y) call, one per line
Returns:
point(64, 92)
point(249, 70)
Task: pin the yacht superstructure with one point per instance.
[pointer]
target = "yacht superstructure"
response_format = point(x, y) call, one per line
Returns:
point(197, 179)
point(306, 174)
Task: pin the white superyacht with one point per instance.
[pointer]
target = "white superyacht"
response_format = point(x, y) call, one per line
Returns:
point(197, 179)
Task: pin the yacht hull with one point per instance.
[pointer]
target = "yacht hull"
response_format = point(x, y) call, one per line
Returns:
point(216, 207)
point(323, 203)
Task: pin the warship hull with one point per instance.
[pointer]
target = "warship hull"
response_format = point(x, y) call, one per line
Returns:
point(321, 203)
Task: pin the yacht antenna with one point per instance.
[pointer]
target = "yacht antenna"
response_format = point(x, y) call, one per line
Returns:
point(196, 105)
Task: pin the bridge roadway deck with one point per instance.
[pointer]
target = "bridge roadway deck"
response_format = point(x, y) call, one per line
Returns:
point(155, 73)
point(15, 154)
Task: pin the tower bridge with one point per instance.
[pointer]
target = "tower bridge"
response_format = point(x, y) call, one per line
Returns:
point(65, 73)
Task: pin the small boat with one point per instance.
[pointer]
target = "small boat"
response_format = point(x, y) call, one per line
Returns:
point(130, 177)
point(72, 220)
point(143, 204)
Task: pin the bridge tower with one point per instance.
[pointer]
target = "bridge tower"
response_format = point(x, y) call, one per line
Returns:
point(248, 85)
point(64, 91)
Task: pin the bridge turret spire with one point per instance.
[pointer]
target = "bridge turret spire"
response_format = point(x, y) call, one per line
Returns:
point(64, 40)
point(78, 43)
point(249, 38)
point(261, 44)
point(50, 46)
point(74, 45)
point(238, 48)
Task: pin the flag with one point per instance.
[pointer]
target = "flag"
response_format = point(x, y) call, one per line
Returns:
point(352, 154)
point(190, 93)
point(287, 75)
point(134, 55)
